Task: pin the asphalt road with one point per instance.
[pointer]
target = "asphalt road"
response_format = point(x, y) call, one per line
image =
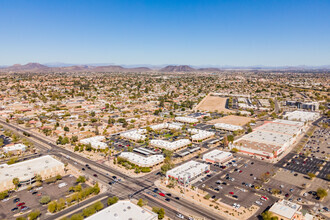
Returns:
point(132, 186)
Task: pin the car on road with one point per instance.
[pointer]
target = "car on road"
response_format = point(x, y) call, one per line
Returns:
point(179, 215)
point(177, 198)
point(169, 194)
point(168, 199)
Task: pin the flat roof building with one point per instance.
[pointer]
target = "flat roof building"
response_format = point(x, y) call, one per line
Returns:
point(124, 210)
point(14, 148)
point(165, 126)
point(173, 146)
point(200, 135)
point(270, 139)
point(142, 161)
point(217, 156)
point(96, 142)
point(302, 116)
point(188, 171)
point(228, 127)
point(287, 210)
point(186, 119)
point(135, 135)
point(26, 171)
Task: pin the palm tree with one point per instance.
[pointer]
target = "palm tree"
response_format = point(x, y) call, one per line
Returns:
point(16, 182)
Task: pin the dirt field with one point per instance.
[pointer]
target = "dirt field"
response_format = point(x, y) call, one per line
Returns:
point(232, 119)
point(213, 103)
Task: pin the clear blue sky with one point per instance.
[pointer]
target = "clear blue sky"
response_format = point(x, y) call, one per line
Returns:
point(246, 32)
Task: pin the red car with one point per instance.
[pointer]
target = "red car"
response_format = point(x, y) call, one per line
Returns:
point(264, 198)
point(21, 204)
point(231, 193)
point(162, 194)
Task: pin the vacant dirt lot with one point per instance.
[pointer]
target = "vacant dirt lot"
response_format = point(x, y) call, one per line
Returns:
point(232, 119)
point(212, 104)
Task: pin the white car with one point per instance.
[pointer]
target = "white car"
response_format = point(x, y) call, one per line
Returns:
point(258, 202)
point(5, 200)
point(179, 215)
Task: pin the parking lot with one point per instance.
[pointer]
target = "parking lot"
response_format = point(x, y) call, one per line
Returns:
point(235, 183)
point(31, 198)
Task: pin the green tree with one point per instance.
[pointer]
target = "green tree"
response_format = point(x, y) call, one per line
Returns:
point(77, 217)
point(16, 182)
point(34, 215)
point(66, 128)
point(234, 150)
point(21, 218)
point(311, 175)
point(44, 200)
point(76, 148)
point(140, 203)
point(52, 206)
point(3, 194)
point(267, 215)
point(81, 179)
point(322, 193)
point(112, 200)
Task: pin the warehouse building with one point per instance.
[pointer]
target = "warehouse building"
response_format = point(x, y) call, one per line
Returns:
point(172, 146)
point(26, 171)
point(217, 157)
point(186, 119)
point(169, 126)
point(188, 171)
point(124, 210)
point(143, 161)
point(270, 139)
point(302, 116)
point(228, 127)
point(96, 142)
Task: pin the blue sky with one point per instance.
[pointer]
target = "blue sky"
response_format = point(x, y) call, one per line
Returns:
point(206, 32)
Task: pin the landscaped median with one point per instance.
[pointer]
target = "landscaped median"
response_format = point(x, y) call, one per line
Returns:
point(202, 198)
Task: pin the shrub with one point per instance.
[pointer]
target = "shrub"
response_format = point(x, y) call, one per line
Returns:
point(44, 200)
point(112, 200)
point(34, 215)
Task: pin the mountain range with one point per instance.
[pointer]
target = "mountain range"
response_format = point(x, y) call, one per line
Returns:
point(62, 67)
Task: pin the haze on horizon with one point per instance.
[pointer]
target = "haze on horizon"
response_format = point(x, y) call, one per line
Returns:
point(236, 33)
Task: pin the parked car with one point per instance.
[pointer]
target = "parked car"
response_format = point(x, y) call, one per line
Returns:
point(179, 215)
point(161, 194)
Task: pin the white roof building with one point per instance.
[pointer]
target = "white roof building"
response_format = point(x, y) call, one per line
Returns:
point(170, 145)
point(25, 171)
point(186, 119)
point(188, 171)
point(141, 160)
point(217, 156)
point(15, 147)
point(165, 126)
point(228, 127)
point(95, 142)
point(288, 210)
point(302, 116)
point(135, 135)
point(270, 139)
point(200, 134)
point(124, 210)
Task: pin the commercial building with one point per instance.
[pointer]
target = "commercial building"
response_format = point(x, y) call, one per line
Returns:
point(14, 149)
point(135, 135)
point(310, 106)
point(200, 135)
point(143, 161)
point(217, 156)
point(169, 126)
point(172, 146)
point(188, 171)
point(286, 210)
point(96, 142)
point(228, 127)
point(26, 171)
point(301, 116)
point(270, 139)
point(186, 119)
point(124, 210)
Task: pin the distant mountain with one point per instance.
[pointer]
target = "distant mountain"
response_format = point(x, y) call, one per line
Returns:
point(39, 68)
point(212, 69)
point(181, 68)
